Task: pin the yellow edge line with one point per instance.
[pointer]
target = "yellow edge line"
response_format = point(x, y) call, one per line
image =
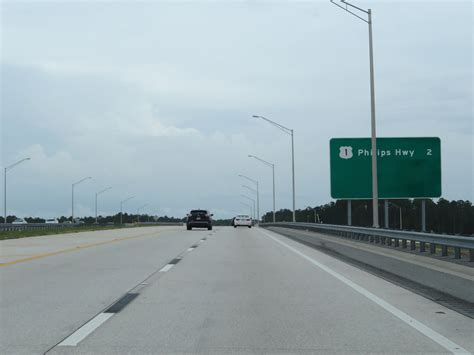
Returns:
point(79, 247)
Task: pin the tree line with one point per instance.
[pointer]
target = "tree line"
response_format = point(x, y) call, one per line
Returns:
point(442, 216)
point(115, 219)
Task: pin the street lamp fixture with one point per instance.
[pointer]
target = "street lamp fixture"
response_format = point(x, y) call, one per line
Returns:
point(5, 185)
point(348, 7)
point(72, 195)
point(248, 187)
point(97, 194)
point(121, 207)
point(250, 207)
point(258, 194)
point(138, 212)
point(253, 201)
point(273, 172)
point(252, 190)
point(290, 132)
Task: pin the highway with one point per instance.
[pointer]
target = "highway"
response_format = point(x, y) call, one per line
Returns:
point(225, 291)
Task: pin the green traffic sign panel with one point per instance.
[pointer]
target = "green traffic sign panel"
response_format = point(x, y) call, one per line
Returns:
point(406, 167)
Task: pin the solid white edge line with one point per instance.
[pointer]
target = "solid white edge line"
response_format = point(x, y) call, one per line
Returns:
point(85, 330)
point(430, 333)
point(166, 267)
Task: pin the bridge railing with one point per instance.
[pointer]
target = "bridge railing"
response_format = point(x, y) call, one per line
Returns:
point(416, 241)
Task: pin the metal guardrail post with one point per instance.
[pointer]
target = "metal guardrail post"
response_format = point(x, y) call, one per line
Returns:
point(457, 253)
point(393, 237)
point(422, 247)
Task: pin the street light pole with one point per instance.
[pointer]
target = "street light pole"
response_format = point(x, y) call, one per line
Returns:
point(253, 201)
point(121, 207)
point(399, 213)
point(72, 197)
point(5, 186)
point(138, 212)
point(252, 190)
point(373, 138)
point(258, 195)
point(97, 194)
point(249, 206)
point(273, 172)
point(292, 134)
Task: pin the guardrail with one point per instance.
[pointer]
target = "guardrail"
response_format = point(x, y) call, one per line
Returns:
point(404, 239)
point(8, 227)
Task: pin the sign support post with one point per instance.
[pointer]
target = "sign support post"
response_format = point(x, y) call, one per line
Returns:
point(386, 217)
point(349, 212)
point(423, 215)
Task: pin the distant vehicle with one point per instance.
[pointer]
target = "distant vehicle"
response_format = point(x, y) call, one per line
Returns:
point(243, 220)
point(51, 221)
point(78, 221)
point(199, 219)
point(19, 221)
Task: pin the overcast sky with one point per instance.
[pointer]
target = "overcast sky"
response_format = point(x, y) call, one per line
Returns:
point(155, 98)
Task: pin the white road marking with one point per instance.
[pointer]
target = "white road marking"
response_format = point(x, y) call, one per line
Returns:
point(85, 330)
point(166, 267)
point(190, 249)
point(430, 333)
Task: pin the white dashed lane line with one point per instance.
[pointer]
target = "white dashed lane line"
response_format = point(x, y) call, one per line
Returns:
point(84, 331)
point(166, 268)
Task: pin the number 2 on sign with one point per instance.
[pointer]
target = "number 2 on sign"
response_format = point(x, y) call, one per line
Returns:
point(428, 151)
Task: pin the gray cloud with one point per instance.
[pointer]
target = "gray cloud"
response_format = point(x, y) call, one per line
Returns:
point(156, 99)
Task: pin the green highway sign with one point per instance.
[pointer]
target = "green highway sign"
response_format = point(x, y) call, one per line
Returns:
point(406, 167)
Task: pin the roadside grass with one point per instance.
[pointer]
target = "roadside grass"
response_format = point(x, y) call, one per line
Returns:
point(57, 231)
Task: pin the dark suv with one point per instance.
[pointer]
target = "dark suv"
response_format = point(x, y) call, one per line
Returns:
point(199, 219)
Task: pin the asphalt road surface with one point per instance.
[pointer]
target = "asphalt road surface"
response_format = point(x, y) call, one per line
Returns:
point(167, 290)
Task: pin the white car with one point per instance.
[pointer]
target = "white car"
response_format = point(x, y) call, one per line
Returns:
point(51, 221)
point(243, 220)
point(19, 221)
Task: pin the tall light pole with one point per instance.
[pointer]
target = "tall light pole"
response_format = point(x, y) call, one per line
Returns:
point(258, 194)
point(291, 133)
point(249, 206)
point(5, 186)
point(72, 195)
point(250, 189)
point(253, 201)
point(375, 191)
point(121, 207)
point(97, 194)
point(138, 212)
point(399, 213)
point(273, 171)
